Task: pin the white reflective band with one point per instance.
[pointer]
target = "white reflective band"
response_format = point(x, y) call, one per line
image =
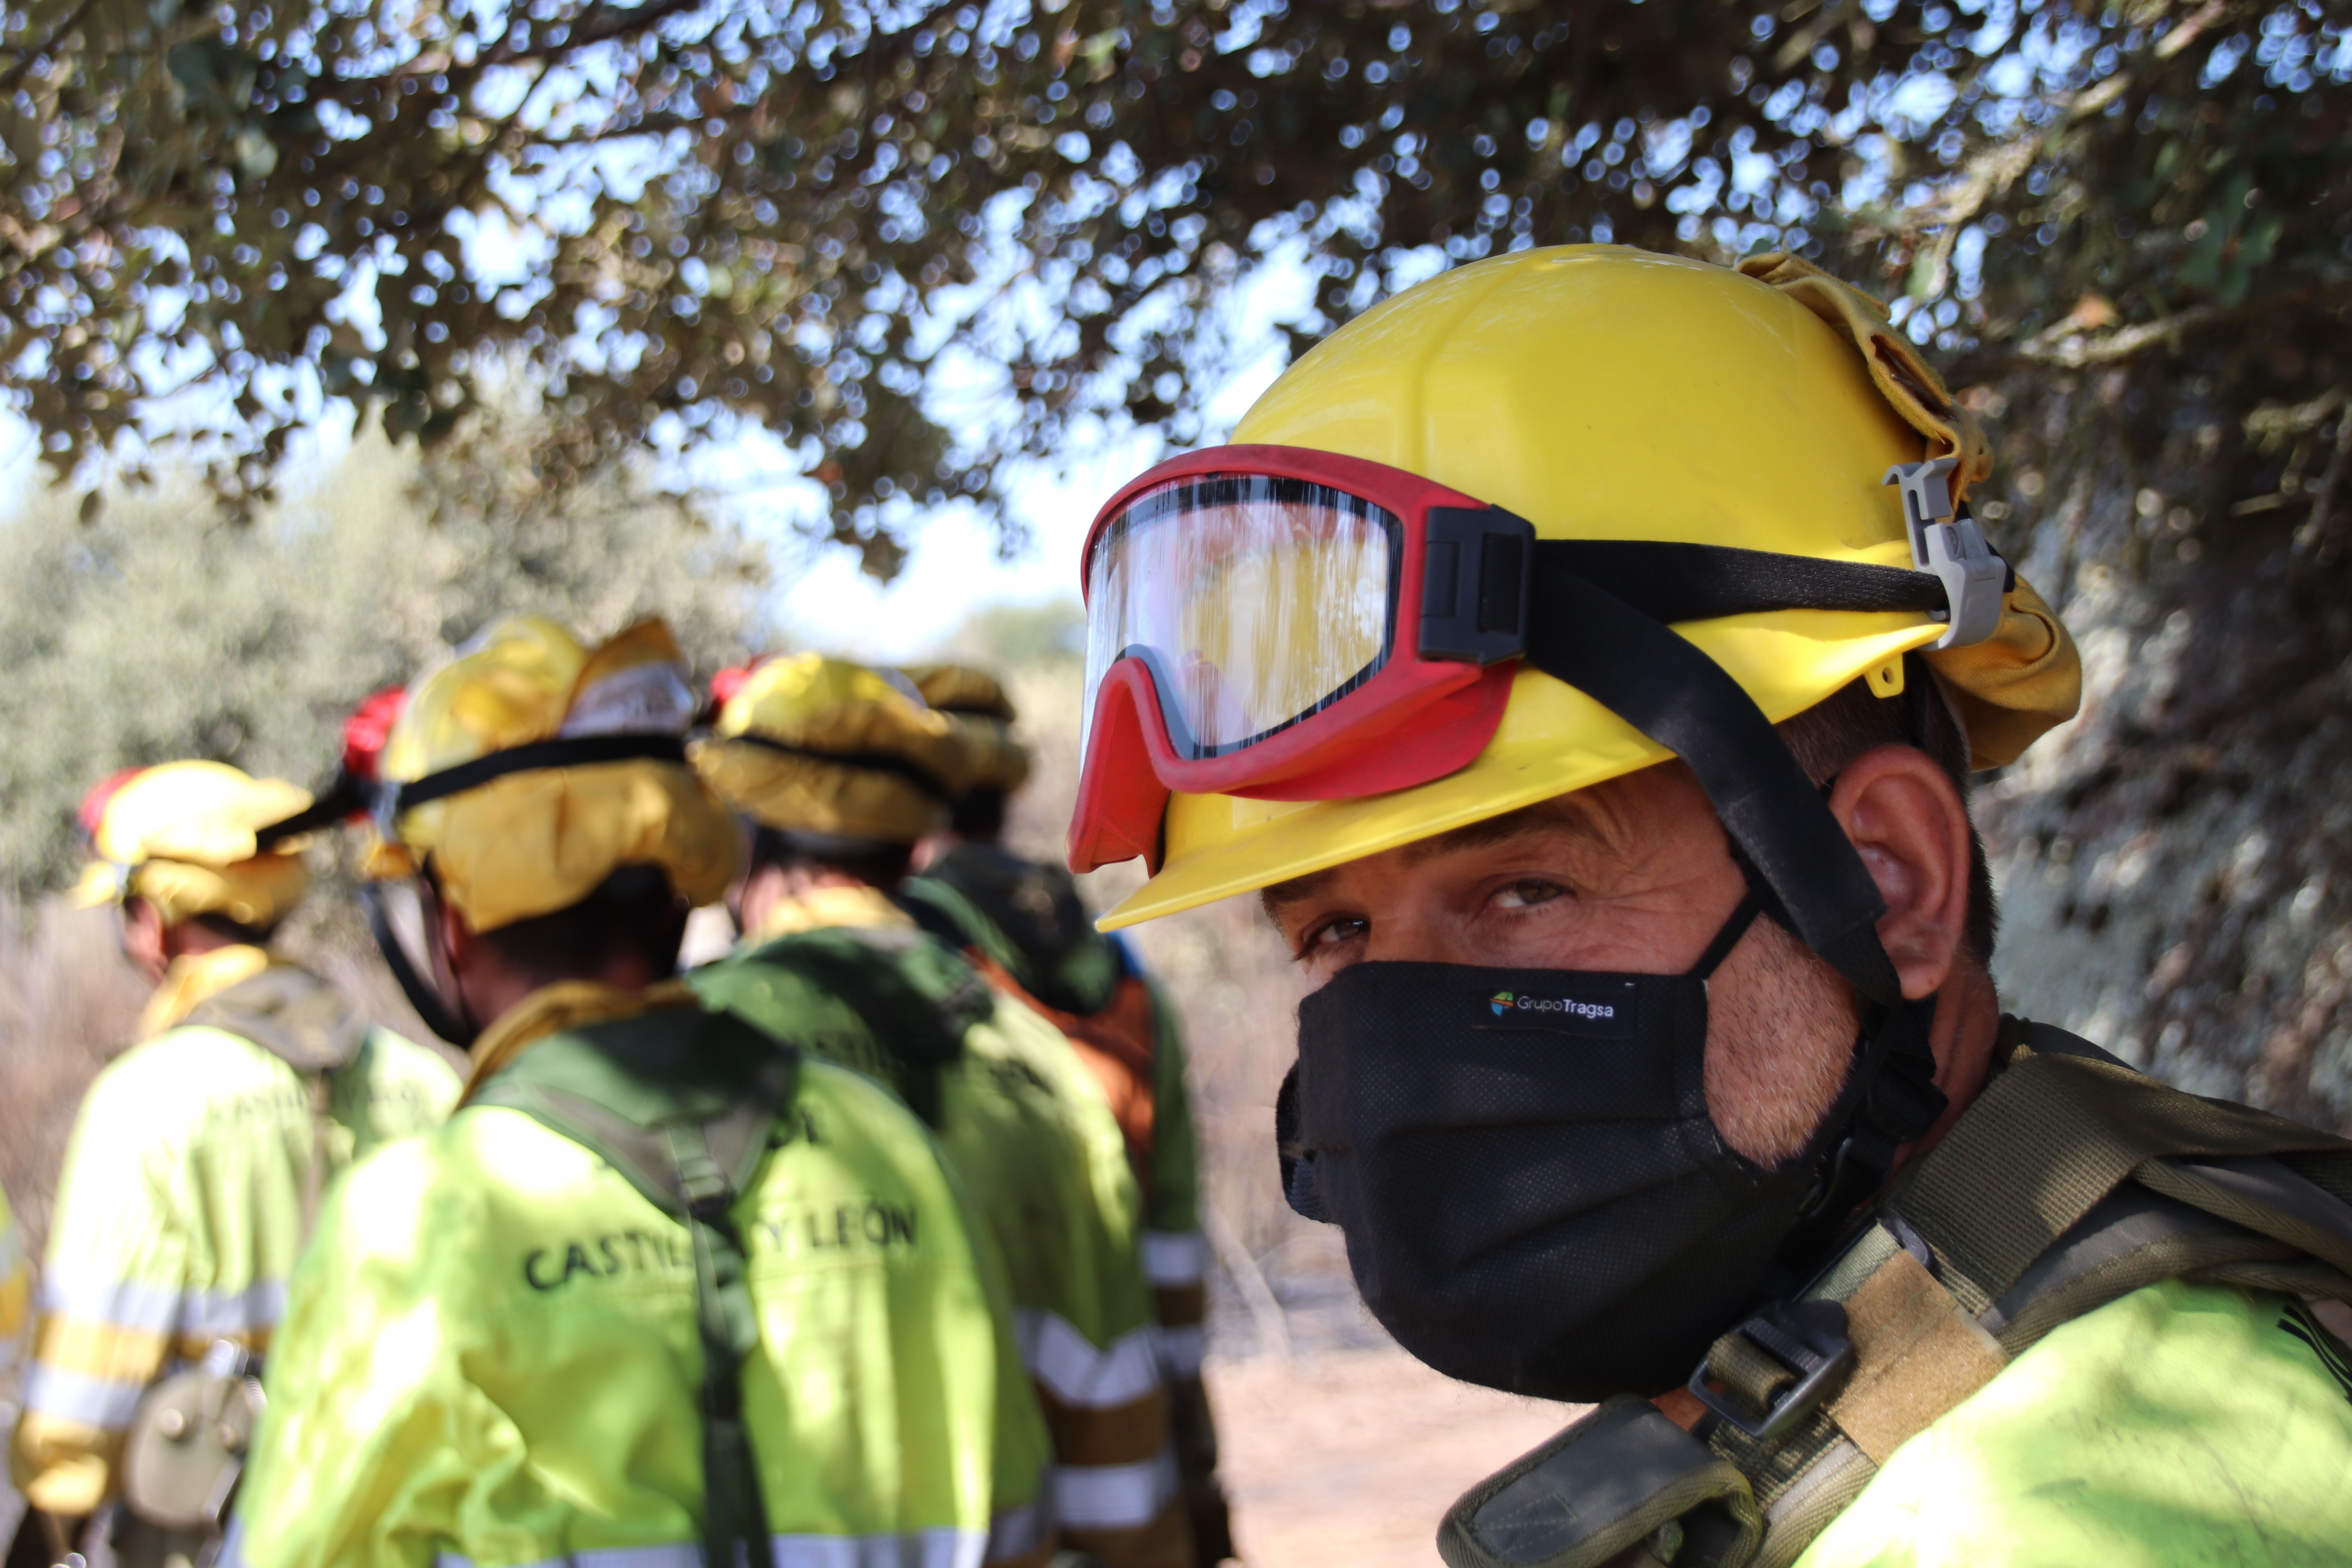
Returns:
point(153, 1309)
point(914, 1549)
point(1078, 1375)
point(669, 1554)
point(911, 1548)
point(261, 1305)
point(1115, 1497)
point(1181, 1349)
point(1171, 1258)
point(1018, 1532)
point(161, 1308)
point(101, 1402)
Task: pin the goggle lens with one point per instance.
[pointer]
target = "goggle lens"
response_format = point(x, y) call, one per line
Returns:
point(1255, 602)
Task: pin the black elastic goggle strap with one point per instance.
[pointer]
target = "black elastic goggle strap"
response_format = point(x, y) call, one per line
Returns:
point(345, 797)
point(1671, 582)
point(570, 752)
point(868, 762)
point(423, 995)
point(1635, 665)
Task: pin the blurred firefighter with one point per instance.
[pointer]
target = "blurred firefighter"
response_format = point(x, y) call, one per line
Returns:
point(661, 1291)
point(841, 771)
point(197, 1163)
point(1021, 923)
point(16, 1324)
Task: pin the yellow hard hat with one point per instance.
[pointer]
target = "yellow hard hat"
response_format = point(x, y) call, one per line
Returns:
point(818, 745)
point(976, 700)
point(189, 838)
point(530, 767)
point(1606, 394)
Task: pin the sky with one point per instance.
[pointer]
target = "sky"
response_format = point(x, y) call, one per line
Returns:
point(956, 564)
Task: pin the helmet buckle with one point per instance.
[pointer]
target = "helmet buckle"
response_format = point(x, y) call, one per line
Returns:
point(1948, 543)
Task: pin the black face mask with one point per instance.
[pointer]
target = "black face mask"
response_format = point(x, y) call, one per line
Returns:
point(1533, 1193)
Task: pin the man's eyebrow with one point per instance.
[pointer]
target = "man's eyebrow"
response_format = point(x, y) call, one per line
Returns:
point(1296, 890)
point(1546, 815)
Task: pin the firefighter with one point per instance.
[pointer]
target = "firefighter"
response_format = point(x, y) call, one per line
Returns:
point(840, 771)
point(15, 1326)
point(661, 1291)
point(1584, 654)
point(199, 1157)
point(1022, 924)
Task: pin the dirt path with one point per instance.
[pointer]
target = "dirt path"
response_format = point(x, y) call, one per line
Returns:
point(1352, 1455)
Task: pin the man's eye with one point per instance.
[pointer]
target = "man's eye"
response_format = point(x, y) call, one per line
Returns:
point(1331, 934)
point(1528, 893)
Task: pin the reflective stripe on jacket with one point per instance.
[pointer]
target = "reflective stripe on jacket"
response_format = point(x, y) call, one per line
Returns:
point(1030, 1135)
point(492, 1357)
point(178, 1223)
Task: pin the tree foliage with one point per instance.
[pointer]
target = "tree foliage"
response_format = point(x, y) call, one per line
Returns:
point(917, 239)
point(163, 629)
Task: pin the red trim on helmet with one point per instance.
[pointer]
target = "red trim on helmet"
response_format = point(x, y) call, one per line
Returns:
point(91, 815)
point(1414, 720)
point(369, 728)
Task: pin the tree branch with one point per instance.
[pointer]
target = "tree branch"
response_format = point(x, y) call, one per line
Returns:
point(15, 73)
point(2079, 353)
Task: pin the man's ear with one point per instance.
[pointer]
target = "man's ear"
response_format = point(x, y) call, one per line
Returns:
point(456, 936)
point(1908, 819)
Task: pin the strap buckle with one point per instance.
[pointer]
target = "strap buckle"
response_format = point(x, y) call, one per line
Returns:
point(1948, 544)
point(1806, 1339)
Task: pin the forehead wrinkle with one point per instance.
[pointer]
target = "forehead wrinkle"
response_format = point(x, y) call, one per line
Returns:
point(1560, 814)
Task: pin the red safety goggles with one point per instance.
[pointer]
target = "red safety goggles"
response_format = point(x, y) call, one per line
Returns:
point(1283, 624)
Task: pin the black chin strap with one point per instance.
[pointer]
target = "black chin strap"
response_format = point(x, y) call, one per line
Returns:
point(1801, 867)
point(1663, 686)
point(453, 1023)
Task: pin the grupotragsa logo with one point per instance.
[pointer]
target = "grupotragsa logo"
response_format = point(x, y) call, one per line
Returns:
point(1506, 1002)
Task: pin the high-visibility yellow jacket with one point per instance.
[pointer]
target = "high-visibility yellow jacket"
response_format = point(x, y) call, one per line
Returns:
point(1029, 1131)
point(15, 1294)
point(179, 1214)
point(1043, 950)
point(492, 1355)
point(1023, 925)
point(2181, 1424)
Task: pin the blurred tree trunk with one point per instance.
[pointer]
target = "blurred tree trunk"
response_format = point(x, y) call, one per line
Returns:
point(2176, 864)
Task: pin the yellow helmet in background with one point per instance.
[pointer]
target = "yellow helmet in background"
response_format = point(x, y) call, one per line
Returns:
point(189, 838)
point(816, 745)
point(528, 767)
point(976, 701)
point(1606, 394)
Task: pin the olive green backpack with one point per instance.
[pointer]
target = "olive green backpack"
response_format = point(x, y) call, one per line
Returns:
point(686, 1105)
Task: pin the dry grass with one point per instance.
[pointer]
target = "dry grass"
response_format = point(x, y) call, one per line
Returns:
point(1354, 1456)
point(68, 1002)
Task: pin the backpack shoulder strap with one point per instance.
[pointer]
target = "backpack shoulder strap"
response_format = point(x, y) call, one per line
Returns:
point(2054, 1134)
point(1026, 916)
point(685, 1104)
point(915, 995)
point(314, 1028)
